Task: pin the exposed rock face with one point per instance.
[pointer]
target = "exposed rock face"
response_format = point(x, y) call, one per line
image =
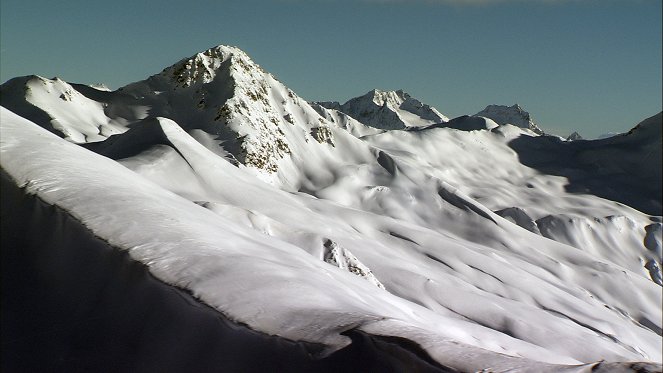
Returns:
point(344, 259)
point(323, 134)
point(414, 208)
point(220, 94)
point(232, 97)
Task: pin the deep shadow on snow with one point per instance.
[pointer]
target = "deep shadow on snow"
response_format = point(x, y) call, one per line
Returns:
point(625, 168)
point(72, 302)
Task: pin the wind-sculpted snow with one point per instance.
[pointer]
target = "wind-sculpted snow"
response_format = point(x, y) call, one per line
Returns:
point(302, 222)
point(187, 247)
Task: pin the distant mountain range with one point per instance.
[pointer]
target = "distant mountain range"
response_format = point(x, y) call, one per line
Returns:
point(375, 235)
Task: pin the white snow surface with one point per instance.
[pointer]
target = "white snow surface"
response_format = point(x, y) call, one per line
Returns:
point(388, 110)
point(303, 222)
point(76, 116)
point(514, 115)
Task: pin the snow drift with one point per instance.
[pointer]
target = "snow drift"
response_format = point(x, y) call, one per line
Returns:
point(469, 237)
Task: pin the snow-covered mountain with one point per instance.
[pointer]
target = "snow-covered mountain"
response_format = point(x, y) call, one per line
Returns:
point(514, 114)
point(373, 227)
point(388, 110)
point(574, 136)
point(225, 100)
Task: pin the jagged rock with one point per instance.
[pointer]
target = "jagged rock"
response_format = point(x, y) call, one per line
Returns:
point(344, 259)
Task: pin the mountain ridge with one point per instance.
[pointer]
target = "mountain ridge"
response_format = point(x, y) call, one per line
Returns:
point(514, 114)
point(388, 110)
point(224, 182)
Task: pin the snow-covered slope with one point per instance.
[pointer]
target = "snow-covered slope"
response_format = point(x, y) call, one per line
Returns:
point(223, 98)
point(624, 168)
point(514, 114)
point(59, 107)
point(388, 110)
point(331, 112)
point(457, 236)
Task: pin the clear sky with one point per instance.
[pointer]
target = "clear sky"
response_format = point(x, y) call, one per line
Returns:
point(588, 65)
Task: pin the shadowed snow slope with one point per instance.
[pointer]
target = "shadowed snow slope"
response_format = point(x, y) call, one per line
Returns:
point(300, 221)
point(51, 263)
point(467, 123)
point(624, 168)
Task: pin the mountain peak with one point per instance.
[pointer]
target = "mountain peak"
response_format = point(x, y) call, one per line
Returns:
point(513, 114)
point(574, 136)
point(202, 67)
point(388, 110)
point(439, 236)
point(393, 99)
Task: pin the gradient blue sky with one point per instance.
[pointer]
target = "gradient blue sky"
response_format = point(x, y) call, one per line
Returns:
point(587, 65)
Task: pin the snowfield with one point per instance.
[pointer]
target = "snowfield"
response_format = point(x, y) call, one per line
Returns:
point(485, 242)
